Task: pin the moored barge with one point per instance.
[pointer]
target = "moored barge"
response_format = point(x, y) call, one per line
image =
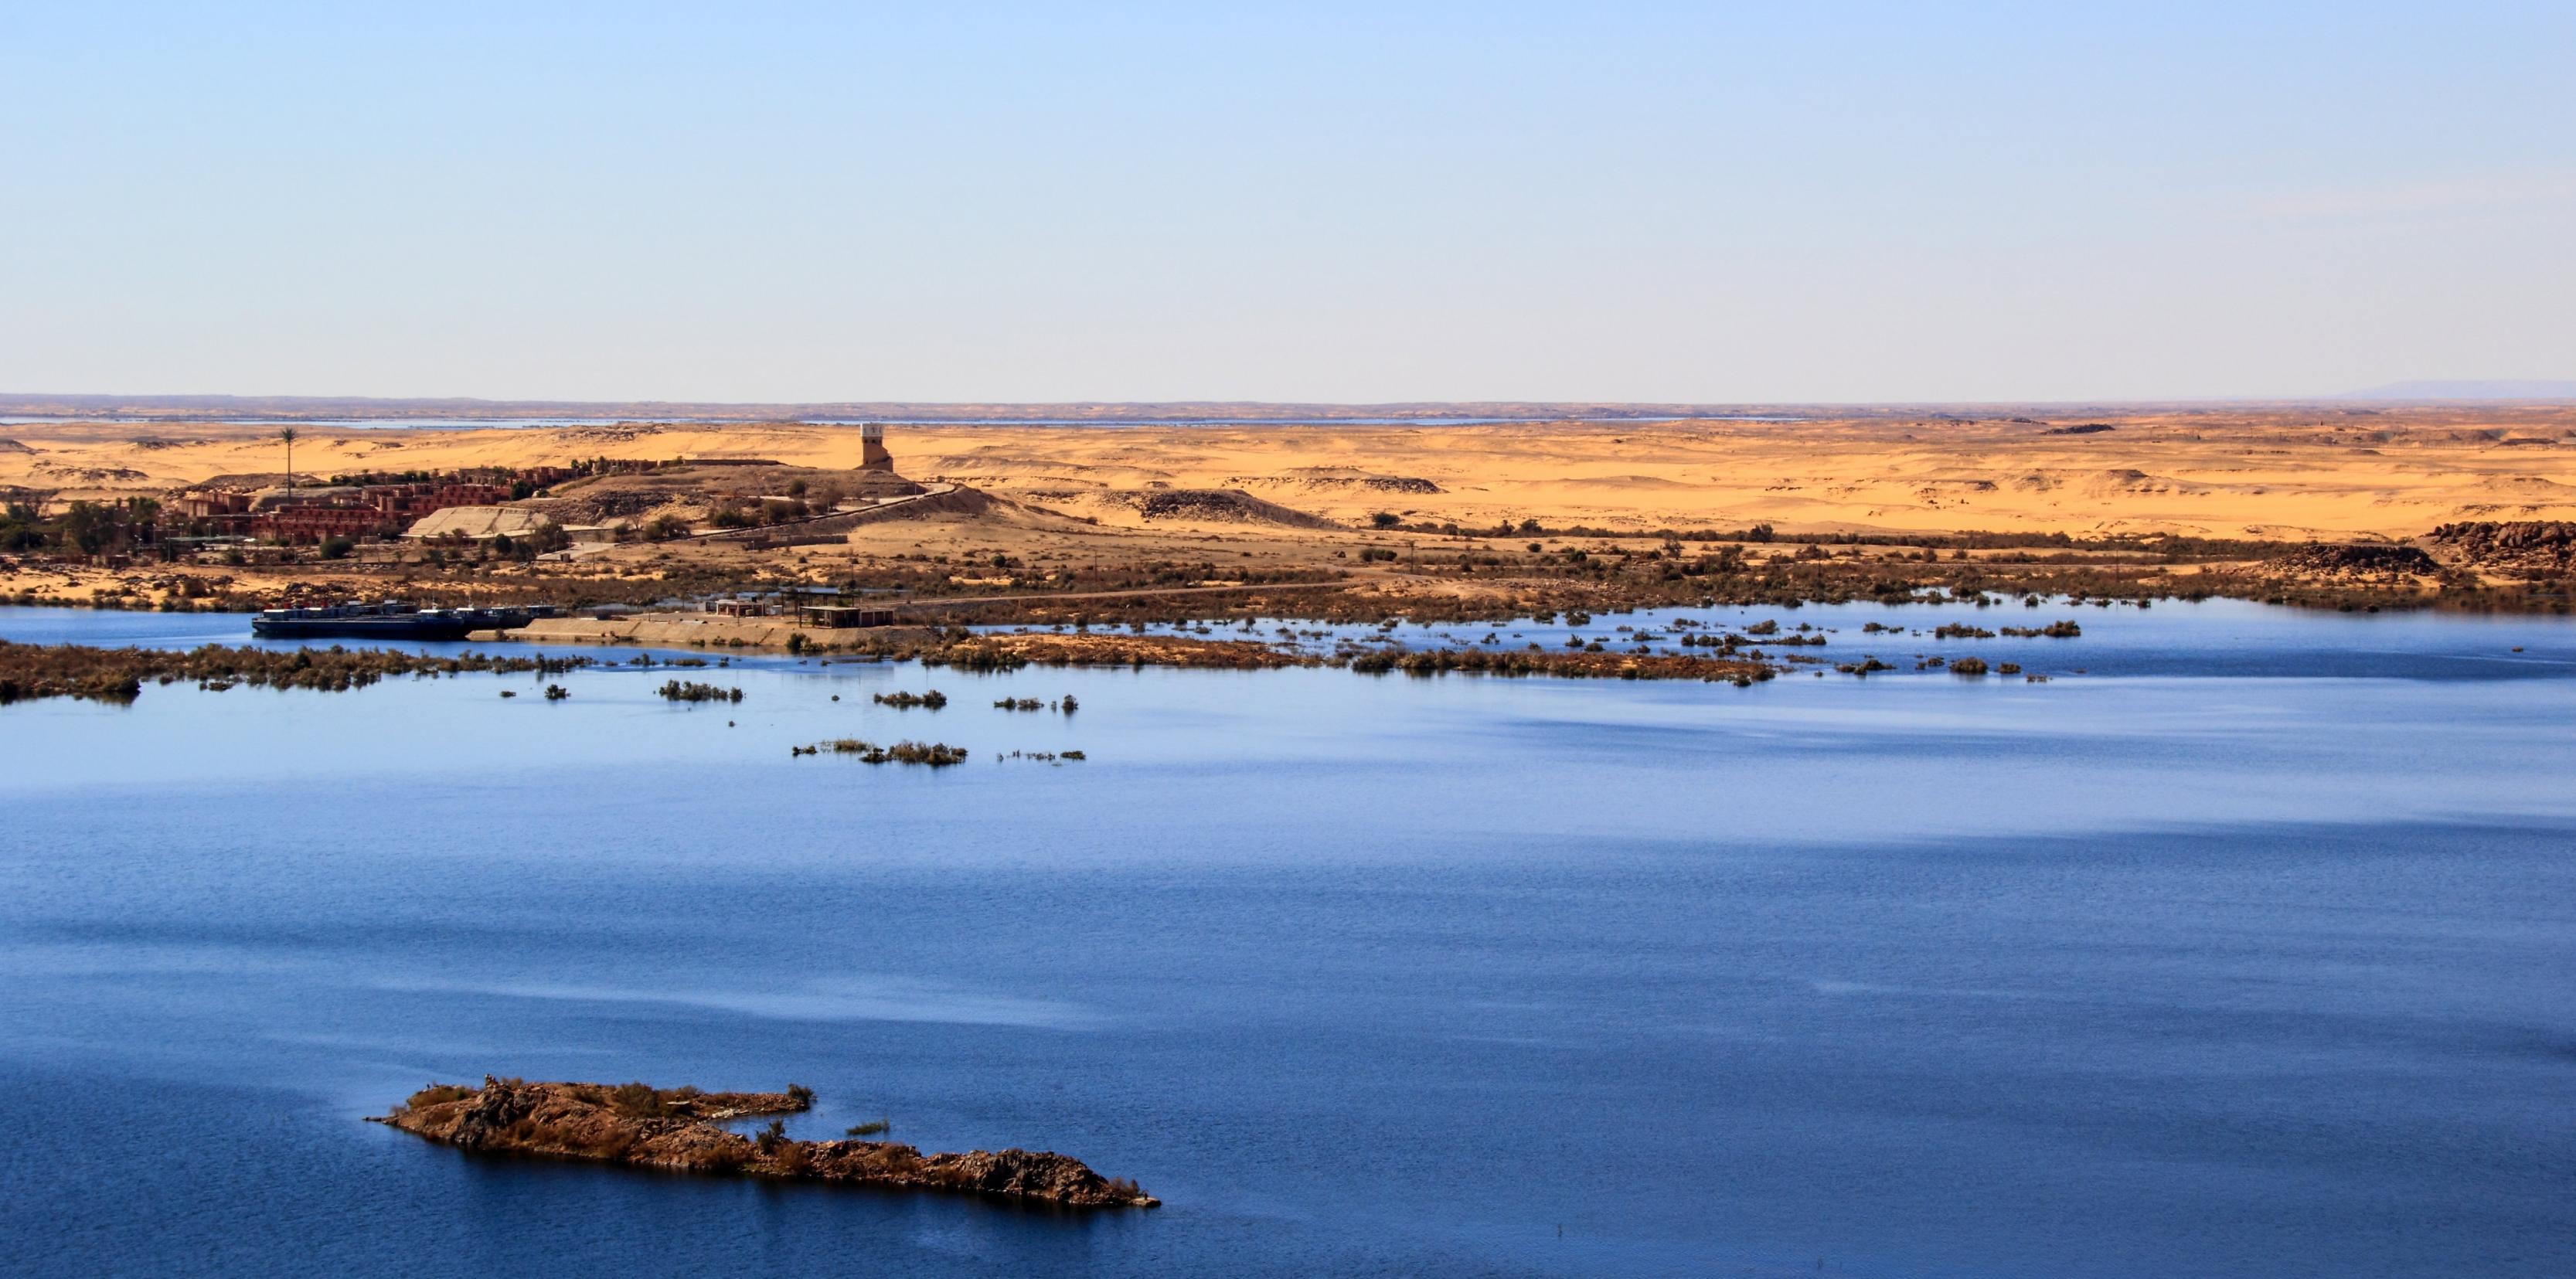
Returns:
point(389, 620)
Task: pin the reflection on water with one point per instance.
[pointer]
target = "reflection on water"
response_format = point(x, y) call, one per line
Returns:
point(2141, 972)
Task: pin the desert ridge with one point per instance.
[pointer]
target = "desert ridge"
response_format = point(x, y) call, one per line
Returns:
point(2283, 474)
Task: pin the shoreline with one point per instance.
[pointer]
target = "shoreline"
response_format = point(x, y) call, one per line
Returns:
point(2470, 508)
point(1969, 639)
point(2308, 579)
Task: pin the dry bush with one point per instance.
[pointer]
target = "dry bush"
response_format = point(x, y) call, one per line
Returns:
point(437, 1094)
point(638, 1101)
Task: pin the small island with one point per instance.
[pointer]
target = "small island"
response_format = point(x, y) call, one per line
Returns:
point(675, 1128)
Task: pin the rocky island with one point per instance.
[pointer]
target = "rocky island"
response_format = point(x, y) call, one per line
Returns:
point(675, 1128)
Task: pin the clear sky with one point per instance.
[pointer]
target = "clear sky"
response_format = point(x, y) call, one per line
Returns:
point(1776, 201)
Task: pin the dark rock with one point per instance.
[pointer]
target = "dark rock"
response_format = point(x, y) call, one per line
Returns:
point(675, 1129)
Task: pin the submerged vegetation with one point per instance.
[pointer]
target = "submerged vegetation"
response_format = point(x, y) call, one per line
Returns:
point(931, 754)
point(1063, 705)
point(29, 671)
point(1577, 665)
point(1741, 658)
point(692, 691)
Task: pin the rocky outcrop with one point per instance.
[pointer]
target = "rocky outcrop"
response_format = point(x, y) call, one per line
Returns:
point(2359, 558)
point(937, 499)
point(2543, 548)
point(1233, 506)
point(675, 1128)
point(91, 474)
point(1327, 478)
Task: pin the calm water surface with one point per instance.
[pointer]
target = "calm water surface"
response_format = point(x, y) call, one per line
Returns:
point(2250, 951)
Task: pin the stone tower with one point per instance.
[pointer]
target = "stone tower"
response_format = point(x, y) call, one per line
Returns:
point(872, 449)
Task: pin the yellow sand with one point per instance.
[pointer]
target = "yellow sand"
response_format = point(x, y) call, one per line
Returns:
point(2333, 472)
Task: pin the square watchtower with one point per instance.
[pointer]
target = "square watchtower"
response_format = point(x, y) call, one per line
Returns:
point(872, 449)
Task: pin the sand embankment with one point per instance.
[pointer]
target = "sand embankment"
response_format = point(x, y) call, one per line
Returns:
point(693, 630)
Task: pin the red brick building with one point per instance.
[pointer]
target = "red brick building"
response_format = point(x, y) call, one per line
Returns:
point(314, 522)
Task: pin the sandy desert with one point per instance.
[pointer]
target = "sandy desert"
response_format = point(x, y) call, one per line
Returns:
point(2278, 473)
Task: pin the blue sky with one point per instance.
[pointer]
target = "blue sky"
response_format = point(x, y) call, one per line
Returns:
point(1361, 203)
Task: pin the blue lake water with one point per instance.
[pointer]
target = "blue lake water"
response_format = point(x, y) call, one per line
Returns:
point(2249, 951)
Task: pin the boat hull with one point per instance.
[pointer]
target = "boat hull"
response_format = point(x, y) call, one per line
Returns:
point(386, 628)
point(399, 627)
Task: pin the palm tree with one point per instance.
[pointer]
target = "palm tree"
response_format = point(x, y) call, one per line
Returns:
point(288, 435)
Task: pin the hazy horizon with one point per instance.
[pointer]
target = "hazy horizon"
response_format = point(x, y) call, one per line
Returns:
point(1873, 205)
point(2427, 391)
